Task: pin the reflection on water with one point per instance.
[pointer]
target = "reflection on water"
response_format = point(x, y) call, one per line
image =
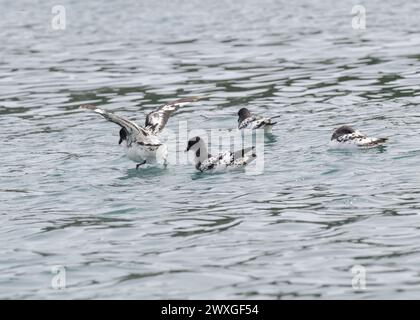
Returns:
point(69, 197)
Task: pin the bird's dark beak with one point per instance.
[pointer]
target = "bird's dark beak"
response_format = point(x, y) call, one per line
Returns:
point(121, 140)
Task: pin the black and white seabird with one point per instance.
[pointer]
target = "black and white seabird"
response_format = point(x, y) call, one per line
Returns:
point(247, 120)
point(142, 144)
point(346, 136)
point(225, 160)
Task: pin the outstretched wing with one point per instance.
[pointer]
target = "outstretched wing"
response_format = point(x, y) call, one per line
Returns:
point(157, 119)
point(128, 125)
point(121, 121)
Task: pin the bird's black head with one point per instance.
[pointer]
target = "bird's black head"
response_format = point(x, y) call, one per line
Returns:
point(342, 131)
point(123, 135)
point(243, 114)
point(192, 142)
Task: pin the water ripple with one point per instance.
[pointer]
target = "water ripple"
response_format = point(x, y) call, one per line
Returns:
point(69, 197)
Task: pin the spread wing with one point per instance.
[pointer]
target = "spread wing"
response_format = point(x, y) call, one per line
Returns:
point(157, 119)
point(128, 125)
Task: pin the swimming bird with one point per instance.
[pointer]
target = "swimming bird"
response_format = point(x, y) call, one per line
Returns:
point(346, 136)
point(247, 120)
point(225, 160)
point(142, 144)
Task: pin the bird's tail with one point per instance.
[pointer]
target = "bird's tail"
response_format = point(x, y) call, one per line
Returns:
point(379, 141)
point(376, 142)
point(270, 122)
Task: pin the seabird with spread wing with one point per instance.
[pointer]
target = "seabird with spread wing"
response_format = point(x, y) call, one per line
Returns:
point(142, 144)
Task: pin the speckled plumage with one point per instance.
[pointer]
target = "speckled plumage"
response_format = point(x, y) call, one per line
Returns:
point(247, 120)
point(346, 136)
point(222, 161)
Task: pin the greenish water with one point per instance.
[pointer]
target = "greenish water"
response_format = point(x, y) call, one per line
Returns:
point(69, 197)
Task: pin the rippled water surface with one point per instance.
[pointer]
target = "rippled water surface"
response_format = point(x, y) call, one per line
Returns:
point(69, 197)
